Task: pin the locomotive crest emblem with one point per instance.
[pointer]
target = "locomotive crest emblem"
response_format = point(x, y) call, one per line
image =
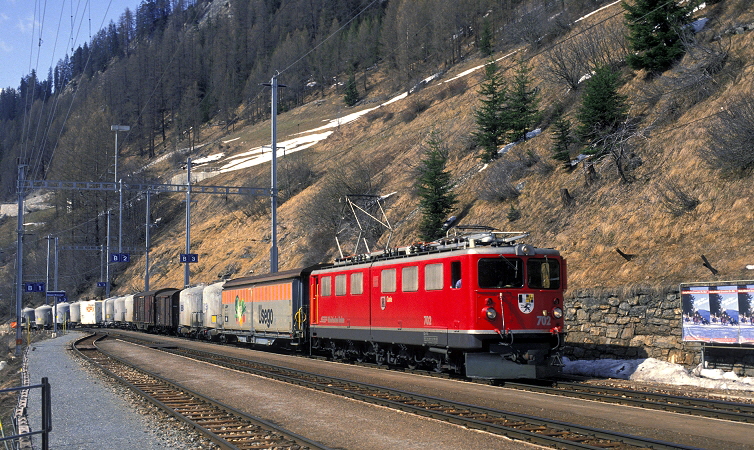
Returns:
point(526, 303)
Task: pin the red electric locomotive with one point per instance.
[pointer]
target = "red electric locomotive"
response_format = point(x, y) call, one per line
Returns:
point(481, 305)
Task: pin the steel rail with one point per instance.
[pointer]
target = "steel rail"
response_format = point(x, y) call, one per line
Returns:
point(523, 427)
point(718, 409)
point(183, 404)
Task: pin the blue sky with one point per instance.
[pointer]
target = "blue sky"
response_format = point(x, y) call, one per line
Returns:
point(61, 24)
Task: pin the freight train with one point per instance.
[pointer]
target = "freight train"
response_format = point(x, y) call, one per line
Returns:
point(480, 304)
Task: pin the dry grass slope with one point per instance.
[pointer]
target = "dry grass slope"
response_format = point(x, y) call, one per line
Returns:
point(607, 214)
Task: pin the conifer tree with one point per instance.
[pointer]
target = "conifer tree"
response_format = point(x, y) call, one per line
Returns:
point(602, 109)
point(434, 187)
point(522, 104)
point(562, 141)
point(655, 28)
point(351, 96)
point(485, 40)
point(491, 117)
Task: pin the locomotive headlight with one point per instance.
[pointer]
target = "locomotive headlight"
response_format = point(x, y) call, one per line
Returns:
point(557, 313)
point(490, 313)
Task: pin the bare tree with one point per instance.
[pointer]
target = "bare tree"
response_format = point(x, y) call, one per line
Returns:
point(619, 145)
point(675, 198)
point(571, 61)
point(730, 138)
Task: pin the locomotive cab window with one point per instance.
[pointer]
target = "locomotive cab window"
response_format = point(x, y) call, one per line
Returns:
point(455, 274)
point(500, 273)
point(325, 286)
point(543, 273)
point(340, 284)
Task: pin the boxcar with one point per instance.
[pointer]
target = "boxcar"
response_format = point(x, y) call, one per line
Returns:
point(157, 311)
point(267, 310)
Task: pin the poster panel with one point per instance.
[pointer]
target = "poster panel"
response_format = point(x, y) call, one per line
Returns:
point(746, 317)
point(718, 313)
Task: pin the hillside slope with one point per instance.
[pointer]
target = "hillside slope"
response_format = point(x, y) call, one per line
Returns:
point(379, 152)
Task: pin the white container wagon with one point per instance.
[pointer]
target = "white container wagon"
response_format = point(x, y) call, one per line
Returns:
point(212, 304)
point(91, 313)
point(190, 311)
point(109, 311)
point(75, 312)
point(43, 315)
point(119, 311)
point(28, 318)
point(128, 310)
point(62, 314)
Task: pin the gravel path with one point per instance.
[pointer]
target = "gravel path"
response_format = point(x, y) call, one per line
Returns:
point(89, 412)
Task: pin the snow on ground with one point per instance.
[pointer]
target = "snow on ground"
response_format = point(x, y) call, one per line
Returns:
point(596, 11)
point(474, 69)
point(258, 155)
point(655, 371)
point(207, 159)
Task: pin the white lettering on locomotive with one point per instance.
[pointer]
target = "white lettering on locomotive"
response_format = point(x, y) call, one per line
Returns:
point(543, 320)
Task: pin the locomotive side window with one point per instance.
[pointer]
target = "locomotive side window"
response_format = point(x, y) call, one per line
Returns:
point(388, 280)
point(340, 284)
point(410, 279)
point(325, 286)
point(500, 273)
point(543, 273)
point(357, 283)
point(433, 277)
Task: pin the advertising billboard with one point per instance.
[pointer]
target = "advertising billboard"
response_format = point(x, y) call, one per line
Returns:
point(719, 313)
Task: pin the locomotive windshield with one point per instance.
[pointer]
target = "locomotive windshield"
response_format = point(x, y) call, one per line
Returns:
point(501, 273)
point(543, 273)
point(497, 273)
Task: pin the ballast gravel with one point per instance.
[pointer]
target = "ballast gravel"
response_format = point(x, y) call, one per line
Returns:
point(90, 411)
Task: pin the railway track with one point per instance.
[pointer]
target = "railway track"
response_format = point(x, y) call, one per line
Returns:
point(546, 432)
point(228, 428)
point(737, 412)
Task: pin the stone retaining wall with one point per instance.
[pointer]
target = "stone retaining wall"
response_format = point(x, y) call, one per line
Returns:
point(639, 323)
